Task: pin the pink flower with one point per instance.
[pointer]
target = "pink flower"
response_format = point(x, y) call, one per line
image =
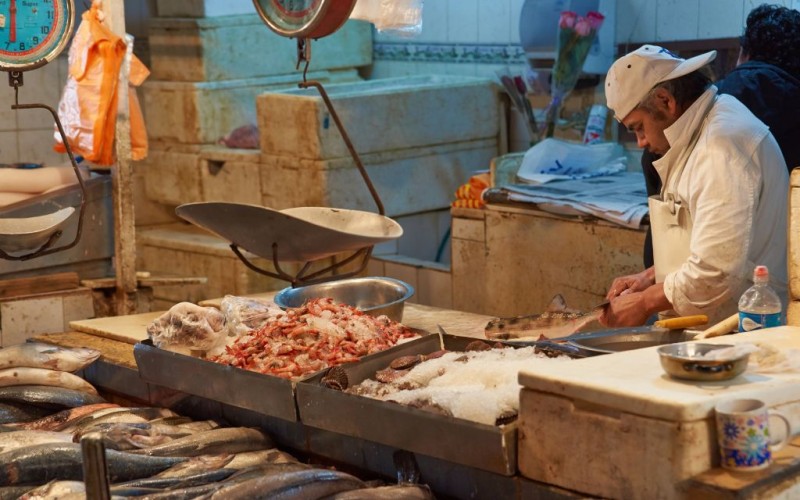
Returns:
point(582, 27)
point(567, 19)
point(595, 19)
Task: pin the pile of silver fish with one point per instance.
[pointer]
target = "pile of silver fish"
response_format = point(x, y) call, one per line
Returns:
point(151, 453)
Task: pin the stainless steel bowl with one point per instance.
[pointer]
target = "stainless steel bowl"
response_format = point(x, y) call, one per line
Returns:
point(687, 361)
point(375, 296)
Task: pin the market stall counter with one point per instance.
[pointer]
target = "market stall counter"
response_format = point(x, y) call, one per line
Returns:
point(642, 434)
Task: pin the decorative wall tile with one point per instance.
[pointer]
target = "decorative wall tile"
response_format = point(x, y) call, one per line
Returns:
point(494, 19)
point(719, 19)
point(677, 20)
point(449, 53)
point(636, 22)
point(462, 20)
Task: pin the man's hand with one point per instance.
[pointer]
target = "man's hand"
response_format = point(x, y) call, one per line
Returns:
point(632, 283)
point(626, 310)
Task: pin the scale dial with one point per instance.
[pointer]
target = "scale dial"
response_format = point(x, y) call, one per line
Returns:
point(33, 32)
point(304, 18)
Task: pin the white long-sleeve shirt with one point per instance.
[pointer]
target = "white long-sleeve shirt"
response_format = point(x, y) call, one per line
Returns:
point(735, 185)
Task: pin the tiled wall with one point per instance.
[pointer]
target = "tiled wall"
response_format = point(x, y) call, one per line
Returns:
point(492, 27)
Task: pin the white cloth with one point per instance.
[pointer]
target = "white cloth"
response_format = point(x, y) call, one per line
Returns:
point(736, 186)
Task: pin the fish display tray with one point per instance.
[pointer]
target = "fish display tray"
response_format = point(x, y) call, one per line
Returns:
point(486, 447)
point(246, 389)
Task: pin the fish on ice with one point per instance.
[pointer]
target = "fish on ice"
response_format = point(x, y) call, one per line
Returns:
point(556, 322)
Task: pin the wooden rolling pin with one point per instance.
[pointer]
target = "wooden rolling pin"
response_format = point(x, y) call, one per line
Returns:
point(682, 322)
point(724, 327)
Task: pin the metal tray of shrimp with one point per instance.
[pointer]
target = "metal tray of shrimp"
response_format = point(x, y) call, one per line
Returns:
point(265, 394)
point(486, 447)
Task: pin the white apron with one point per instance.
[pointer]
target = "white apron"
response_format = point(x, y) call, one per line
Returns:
point(670, 220)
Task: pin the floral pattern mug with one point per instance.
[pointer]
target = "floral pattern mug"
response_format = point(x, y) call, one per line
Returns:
point(743, 433)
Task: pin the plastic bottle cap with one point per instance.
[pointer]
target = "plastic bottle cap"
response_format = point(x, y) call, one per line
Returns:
point(761, 272)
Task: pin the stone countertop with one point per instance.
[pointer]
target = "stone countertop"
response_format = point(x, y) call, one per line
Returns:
point(634, 381)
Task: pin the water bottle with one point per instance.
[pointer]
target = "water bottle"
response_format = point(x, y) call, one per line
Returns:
point(760, 306)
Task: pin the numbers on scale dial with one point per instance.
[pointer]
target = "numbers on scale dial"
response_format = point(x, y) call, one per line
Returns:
point(30, 29)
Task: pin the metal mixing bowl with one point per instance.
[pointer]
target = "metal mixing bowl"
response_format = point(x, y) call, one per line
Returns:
point(687, 361)
point(375, 296)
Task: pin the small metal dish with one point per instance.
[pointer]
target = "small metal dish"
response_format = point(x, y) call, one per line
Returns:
point(375, 296)
point(687, 361)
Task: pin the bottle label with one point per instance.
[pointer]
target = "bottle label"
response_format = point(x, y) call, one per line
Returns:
point(754, 321)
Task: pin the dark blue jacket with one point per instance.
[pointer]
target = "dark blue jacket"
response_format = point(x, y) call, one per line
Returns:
point(773, 95)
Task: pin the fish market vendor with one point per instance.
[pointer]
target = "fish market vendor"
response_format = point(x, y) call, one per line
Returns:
point(723, 203)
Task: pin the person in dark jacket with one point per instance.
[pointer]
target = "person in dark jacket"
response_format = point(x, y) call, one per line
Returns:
point(766, 80)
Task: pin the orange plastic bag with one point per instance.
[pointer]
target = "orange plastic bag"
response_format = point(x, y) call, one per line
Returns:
point(88, 106)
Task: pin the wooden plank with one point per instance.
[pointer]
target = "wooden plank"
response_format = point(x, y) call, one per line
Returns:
point(40, 284)
point(130, 329)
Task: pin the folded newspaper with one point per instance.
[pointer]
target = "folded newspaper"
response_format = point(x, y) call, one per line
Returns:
point(554, 159)
point(619, 198)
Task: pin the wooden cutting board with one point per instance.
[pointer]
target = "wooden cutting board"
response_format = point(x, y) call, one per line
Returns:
point(130, 329)
point(634, 381)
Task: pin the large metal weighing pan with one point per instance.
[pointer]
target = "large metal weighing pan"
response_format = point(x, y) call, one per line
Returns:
point(486, 447)
point(30, 233)
point(246, 389)
point(626, 339)
point(299, 234)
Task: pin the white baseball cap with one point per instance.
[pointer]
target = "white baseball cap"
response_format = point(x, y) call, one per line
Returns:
point(633, 75)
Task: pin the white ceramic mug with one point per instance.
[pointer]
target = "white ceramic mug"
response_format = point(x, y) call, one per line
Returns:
point(743, 433)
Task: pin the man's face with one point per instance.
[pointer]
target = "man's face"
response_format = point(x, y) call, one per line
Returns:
point(649, 128)
point(648, 121)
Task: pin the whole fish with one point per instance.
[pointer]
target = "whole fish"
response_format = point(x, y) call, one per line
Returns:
point(21, 439)
point(197, 465)
point(222, 440)
point(23, 375)
point(55, 420)
point(198, 479)
point(48, 396)
point(41, 463)
point(251, 458)
point(130, 435)
point(201, 491)
point(39, 355)
point(393, 492)
point(557, 321)
point(55, 490)
point(13, 492)
point(145, 412)
point(12, 412)
point(266, 470)
point(301, 484)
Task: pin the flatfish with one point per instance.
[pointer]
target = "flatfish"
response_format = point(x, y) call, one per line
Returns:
point(557, 321)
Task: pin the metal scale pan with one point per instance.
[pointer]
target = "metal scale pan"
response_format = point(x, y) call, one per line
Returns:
point(26, 49)
point(298, 234)
point(302, 234)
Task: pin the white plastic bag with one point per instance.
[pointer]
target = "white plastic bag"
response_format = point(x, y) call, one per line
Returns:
point(554, 159)
point(243, 314)
point(395, 17)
